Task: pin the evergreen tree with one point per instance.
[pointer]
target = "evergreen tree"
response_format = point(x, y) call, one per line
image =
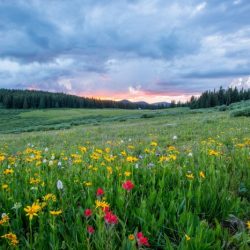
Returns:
point(25, 103)
point(221, 97)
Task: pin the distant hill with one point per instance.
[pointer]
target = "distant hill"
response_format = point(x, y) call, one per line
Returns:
point(162, 104)
point(142, 103)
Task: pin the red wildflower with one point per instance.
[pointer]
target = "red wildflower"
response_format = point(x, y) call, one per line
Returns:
point(110, 218)
point(87, 212)
point(90, 229)
point(139, 234)
point(128, 185)
point(105, 209)
point(141, 240)
point(100, 192)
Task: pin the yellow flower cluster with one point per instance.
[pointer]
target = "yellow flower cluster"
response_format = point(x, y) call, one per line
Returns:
point(132, 159)
point(213, 152)
point(5, 219)
point(12, 238)
point(8, 171)
point(49, 197)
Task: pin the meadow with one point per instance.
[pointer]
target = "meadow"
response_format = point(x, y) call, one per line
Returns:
point(124, 179)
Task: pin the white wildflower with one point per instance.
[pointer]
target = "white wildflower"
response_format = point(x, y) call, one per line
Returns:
point(59, 185)
point(17, 205)
point(3, 215)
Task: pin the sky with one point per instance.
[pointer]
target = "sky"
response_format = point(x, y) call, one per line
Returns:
point(151, 50)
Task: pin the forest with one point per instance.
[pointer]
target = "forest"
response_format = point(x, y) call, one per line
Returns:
point(34, 99)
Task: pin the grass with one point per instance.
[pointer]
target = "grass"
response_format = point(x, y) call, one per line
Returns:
point(190, 170)
point(17, 121)
point(239, 105)
point(241, 112)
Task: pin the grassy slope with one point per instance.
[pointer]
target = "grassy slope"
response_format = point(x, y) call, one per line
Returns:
point(29, 120)
point(51, 119)
point(191, 126)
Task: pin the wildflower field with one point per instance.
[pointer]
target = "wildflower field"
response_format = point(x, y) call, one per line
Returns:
point(178, 180)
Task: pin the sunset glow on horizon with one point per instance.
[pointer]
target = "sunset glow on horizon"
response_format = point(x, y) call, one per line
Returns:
point(153, 98)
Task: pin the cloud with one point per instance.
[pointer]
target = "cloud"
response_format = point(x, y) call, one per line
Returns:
point(136, 47)
point(198, 8)
point(237, 2)
point(242, 82)
point(134, 90)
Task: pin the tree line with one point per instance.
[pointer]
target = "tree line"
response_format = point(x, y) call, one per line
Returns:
point(217, 98)
point(33, 99)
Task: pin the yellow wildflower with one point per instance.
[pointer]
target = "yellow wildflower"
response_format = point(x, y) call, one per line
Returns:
point(187, 237)
point(164, 158)
point(171, 148)
point(2, 158)
point(87, 183)
point(32, 210)
point(123, 153)
point(38, 163)
point(202, 174)
point(55, 213)
point(172, 157)
point(95, 156)
point(49, 197)
point(99, 151)
point(131, 159)
point(127, 173)
point(213, 152)
point(5, 186)
point(190, 176)
point(8, 171)
point(131, 237)
point(83, 149)
point(102, 204)
point(153, 144)
point(35, 180)
point(110, 170)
